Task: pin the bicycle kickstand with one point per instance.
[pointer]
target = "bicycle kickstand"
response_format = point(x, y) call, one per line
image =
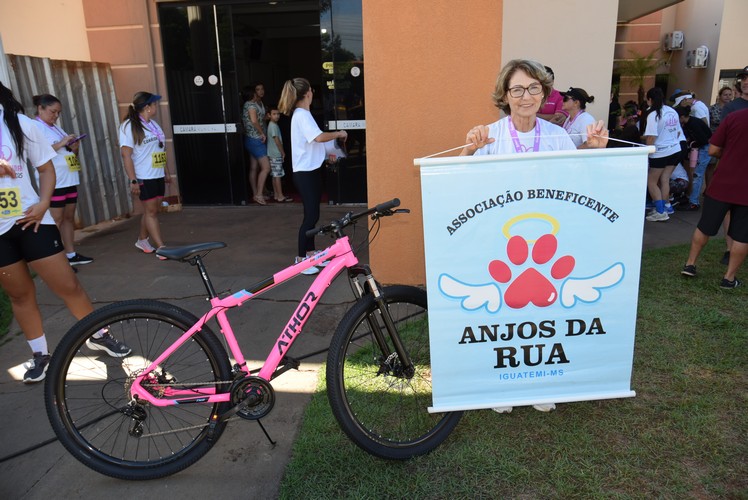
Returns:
point(273, 443)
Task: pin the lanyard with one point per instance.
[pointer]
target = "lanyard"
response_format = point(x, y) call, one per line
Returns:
point(569, 123)
point(518, 148)
point(155, 131)
point(51, 127)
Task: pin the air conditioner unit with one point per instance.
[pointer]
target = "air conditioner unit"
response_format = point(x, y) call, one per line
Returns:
point(698, 58)
point(673, 41)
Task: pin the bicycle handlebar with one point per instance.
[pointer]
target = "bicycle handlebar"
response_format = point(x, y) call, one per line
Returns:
point(381, 210)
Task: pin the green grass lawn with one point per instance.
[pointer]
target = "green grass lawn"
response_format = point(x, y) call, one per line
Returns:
point(682, 436)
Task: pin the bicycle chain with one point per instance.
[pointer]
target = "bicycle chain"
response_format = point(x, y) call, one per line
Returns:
point(174, 431)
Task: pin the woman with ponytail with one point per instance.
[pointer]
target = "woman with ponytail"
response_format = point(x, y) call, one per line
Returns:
point(142, 145)
point(663, 131)
point(67, 166)
point(307, 157)
point(30, 238)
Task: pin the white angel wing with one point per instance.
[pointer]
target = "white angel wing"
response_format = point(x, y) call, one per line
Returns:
point(588, 289)
point(473, 296)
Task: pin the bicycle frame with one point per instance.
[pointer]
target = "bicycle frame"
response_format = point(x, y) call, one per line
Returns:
point(340, 256)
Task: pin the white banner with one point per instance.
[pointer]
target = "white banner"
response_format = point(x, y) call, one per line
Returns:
point(532, 268)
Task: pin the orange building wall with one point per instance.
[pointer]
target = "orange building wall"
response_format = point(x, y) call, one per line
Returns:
point(430, 70)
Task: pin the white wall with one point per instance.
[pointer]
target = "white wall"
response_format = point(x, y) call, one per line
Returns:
point(732, 41)
point(44, 28)
point(575, 37)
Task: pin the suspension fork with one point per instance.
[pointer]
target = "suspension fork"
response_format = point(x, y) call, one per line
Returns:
point(370, 285)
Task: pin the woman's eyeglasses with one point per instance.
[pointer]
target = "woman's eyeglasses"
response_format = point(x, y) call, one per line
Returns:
point(518, 91)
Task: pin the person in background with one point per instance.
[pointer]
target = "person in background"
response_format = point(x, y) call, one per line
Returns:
point(728, 193)
point(552, 108)
point(575, 105)
point(663, 131)
point(29, 238)
point(276, 154)
point(698, 109)
point(697, 135)
point(627, 128)
point(679, 182)
point(521, 88)
point(307, 158)
point(67, 166)
point(715, 110)
point(142, 145)
point(615, 111)
point(741, 94)
point(255, 140)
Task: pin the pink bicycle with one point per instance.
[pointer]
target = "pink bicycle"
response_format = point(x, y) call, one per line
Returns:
point(161, 408)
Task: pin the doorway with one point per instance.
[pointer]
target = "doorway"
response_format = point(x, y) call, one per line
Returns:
point(214, 49)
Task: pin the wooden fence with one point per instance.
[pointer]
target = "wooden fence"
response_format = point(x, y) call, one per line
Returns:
point(89, 106)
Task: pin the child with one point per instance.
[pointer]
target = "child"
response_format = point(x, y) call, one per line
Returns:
point(276, 154)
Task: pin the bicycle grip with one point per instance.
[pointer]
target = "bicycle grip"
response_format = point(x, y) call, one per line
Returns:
point(383, 207)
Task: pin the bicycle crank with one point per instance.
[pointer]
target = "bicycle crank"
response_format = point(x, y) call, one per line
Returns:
point(252, 397)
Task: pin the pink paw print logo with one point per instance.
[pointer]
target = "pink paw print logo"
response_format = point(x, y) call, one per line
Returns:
point(531, 285)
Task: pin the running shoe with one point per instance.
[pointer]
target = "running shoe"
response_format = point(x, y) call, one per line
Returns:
point(728, 285)
point(145, 246)
point(688, 270)
point(308, 272)
point(79, 260)
point(108, 344)
point(658, 217)
point(161, 257)
point(37, 368)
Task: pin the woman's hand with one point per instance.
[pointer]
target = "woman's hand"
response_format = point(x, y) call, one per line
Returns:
point(6, 170)
point(597, 135)
point(33, 216)
point(476, 138)
point(342, 134)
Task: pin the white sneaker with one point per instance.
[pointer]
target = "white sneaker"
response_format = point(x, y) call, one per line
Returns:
point(145, 246)
point(658, 217)
point(545, 407)
point(309, 272)
point(503, 409)
point(321, 264)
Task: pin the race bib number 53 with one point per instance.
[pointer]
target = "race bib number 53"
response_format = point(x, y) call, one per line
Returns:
point(158, 160)
point(10, 202)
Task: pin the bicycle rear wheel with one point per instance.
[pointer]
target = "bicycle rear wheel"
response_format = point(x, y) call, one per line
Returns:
point(382, 409)
point(88, 398)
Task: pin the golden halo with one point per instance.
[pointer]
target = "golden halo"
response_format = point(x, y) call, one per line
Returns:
point(532, 215)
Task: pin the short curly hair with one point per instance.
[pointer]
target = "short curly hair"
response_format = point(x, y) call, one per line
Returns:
point(532, 68)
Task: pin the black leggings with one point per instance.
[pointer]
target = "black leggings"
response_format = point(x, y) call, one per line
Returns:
point(309, 186)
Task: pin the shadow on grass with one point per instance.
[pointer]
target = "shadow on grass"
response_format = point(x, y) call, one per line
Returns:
point(682, 436)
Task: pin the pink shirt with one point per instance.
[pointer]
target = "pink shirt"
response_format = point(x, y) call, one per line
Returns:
point(553, 104)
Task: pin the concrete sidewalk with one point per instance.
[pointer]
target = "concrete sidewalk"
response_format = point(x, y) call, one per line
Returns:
point(260, 241)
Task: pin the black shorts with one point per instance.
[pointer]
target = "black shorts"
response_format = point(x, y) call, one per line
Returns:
point(713, 213)
point(25, 244)
point(665, 161)
point(64, 196)
point(152, 188)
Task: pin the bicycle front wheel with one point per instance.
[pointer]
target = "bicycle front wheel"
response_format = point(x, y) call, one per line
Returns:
point(380, 405)
point(87, 391)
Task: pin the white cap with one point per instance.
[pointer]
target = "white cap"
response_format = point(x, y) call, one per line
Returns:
point(680, 99)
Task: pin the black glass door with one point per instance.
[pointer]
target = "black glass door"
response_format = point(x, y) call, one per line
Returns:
point(204, 102)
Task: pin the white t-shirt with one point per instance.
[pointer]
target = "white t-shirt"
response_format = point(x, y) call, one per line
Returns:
point(306, 153)
point(38, 152)
point(666, 130)
point(149, 159)
point(679, 172)
point(66, 162)
point(700, 110)
point(577, 128)
point(552, 138)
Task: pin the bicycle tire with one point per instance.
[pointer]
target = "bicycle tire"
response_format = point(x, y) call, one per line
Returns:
point(87, 390)
point(383, 414)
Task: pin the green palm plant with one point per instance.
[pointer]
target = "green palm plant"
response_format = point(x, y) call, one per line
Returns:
point(638, 68)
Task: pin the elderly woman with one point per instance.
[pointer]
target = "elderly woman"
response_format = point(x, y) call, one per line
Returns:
point(521, 89)
point(575, 104)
